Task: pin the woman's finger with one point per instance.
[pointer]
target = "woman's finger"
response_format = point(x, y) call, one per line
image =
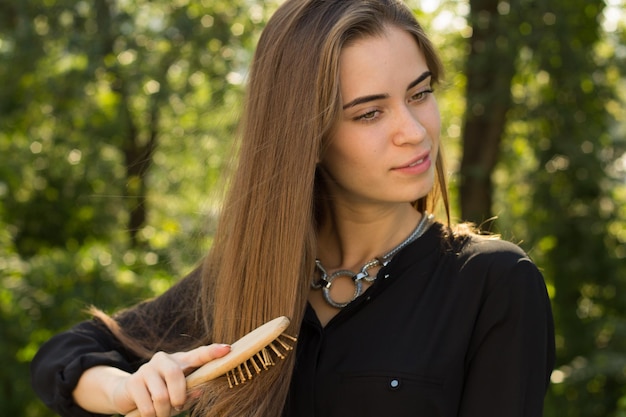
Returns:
point(167, 384)
point(174, 379)
point(199, 356)
point(137, 389)
point(159, 388)
point(160, 395)
point(155, 384)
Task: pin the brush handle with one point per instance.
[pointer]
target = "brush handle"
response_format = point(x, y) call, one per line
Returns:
point(240, 351)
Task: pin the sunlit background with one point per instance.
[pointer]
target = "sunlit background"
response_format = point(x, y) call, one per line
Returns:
point(116, 119)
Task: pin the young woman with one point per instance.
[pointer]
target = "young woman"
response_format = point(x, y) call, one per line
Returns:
point(327, 222)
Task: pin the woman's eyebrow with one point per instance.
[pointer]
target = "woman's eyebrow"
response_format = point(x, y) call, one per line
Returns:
point(419, 79)
point(373, 97)
point(365, 99)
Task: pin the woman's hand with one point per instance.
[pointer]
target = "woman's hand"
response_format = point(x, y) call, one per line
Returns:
point(157, 389)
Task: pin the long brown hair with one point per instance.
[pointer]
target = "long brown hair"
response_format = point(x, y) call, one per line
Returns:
point(262, 258)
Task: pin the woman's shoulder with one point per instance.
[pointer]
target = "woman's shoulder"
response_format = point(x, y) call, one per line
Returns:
point(485, 254)
point(482, 264)
point(467, 242)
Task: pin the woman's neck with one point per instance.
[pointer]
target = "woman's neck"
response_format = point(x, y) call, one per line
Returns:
point(352, 237)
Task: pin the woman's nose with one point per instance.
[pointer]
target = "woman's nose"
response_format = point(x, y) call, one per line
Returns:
point(408, 128)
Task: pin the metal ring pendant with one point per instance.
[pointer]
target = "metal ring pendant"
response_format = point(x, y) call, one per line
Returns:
point(358, 287)
point(325, 281)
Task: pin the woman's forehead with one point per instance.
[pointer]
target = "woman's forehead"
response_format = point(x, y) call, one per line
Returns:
point(393, 56)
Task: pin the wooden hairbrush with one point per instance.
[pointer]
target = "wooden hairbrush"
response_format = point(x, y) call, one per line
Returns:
point(248, 356)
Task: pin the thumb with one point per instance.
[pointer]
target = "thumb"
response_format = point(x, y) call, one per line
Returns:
point(199, 356)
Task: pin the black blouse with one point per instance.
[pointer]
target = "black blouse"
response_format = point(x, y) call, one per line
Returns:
point(442, 332)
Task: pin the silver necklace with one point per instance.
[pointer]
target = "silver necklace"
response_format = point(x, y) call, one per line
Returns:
point(325, 281)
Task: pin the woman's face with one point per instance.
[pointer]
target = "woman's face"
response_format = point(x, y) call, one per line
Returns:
point(384, 147)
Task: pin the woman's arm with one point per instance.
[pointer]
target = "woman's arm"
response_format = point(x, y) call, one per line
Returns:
point(511, 354)
point(157, 388)
point(59, 363)
point(169, 321)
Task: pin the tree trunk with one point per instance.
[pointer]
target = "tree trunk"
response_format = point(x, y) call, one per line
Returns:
point(138, 151)
point(490, 69)
point(138, 158)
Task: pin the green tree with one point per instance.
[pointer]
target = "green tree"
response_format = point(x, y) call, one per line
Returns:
point(573, 211)
point(488, 100)
point(115, 121)
point(558, 175)
point(542, 150)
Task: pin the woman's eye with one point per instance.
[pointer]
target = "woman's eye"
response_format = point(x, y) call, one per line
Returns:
point(370, 115)
point(421, 96)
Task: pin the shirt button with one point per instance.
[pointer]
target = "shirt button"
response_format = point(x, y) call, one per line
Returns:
point(394, 383)
point(386, 276)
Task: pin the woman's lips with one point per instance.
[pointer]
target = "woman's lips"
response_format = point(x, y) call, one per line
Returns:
point(417, 166)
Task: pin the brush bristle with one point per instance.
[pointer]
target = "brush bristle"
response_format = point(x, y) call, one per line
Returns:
point(261, 361)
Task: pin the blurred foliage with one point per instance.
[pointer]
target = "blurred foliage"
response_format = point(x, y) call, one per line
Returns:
point(91, 92)
point(562, 183)
point(109, 108)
